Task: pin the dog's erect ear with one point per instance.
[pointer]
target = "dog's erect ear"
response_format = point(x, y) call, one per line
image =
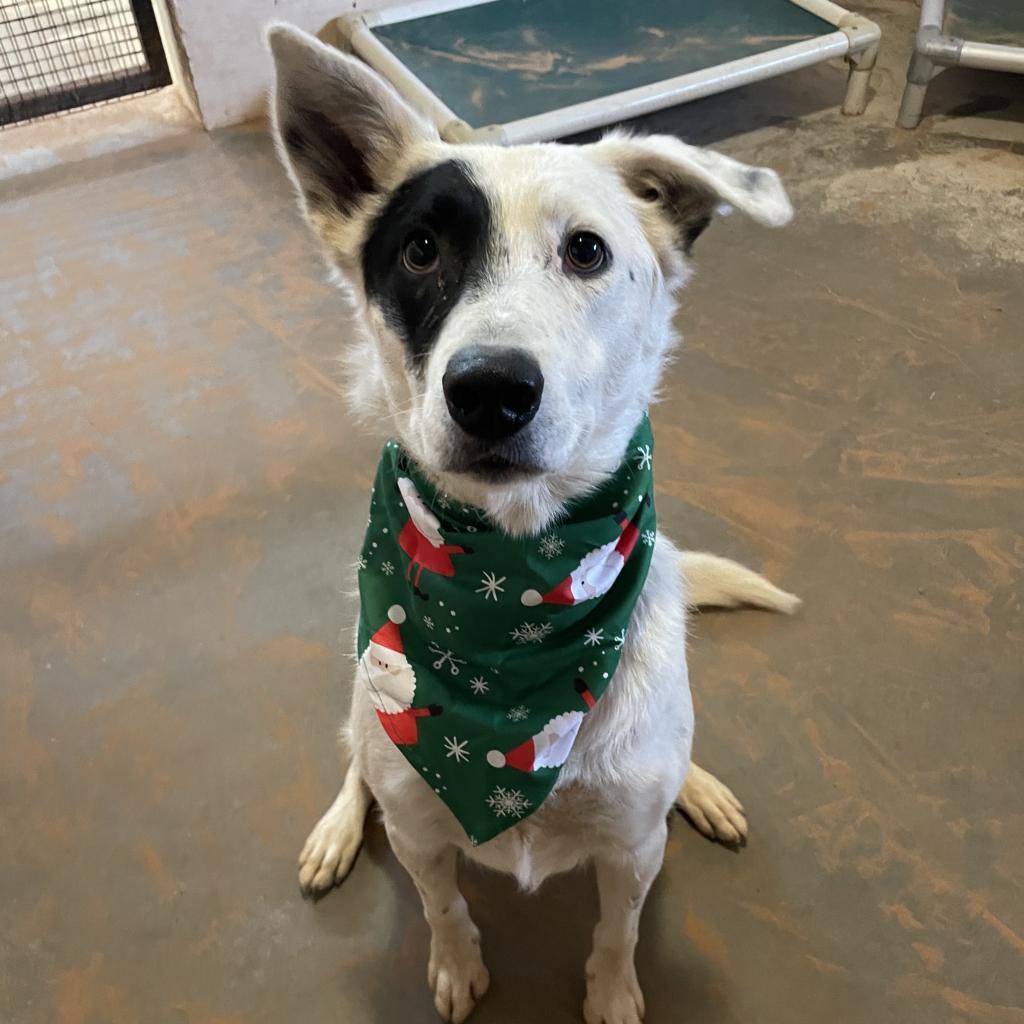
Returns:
point(685, 184)
point(341, 129)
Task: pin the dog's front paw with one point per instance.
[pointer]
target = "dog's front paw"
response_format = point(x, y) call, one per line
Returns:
point(458, 977)
point(712, 808)
point(330, 850)
point(613, 996)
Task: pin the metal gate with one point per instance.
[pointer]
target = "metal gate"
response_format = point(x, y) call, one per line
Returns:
point(60, 54)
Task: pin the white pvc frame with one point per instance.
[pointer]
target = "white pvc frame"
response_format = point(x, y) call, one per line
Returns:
point(934, 52)
point(855, 39)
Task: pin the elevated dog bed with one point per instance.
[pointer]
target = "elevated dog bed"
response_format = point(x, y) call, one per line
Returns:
point(524, 70)
point(943, 41)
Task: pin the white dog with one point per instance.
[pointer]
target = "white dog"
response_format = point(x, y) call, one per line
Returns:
point(554, 268)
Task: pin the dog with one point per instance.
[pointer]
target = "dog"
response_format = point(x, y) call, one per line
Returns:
point(555, 269)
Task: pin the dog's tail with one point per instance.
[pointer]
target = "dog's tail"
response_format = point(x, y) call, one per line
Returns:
point(723, 583)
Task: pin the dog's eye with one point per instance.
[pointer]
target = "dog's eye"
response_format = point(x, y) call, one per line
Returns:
point(419, 256)
point(585, 253)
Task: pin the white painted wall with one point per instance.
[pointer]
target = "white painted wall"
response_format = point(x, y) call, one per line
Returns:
point(223, 45)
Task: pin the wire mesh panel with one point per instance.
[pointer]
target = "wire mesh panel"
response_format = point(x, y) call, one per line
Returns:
point(60, 54)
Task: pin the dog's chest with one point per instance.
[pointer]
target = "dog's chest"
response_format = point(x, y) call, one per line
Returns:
point(547, 843)
point(573, 824)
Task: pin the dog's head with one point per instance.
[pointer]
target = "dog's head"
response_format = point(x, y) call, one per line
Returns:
point(519, 300)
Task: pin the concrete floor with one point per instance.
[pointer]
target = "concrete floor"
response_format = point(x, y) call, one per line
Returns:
point(182, 496)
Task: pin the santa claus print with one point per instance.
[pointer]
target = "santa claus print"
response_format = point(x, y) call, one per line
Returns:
point(421, 539)
point(392, 682)
point(596, 572)
point(550, 747)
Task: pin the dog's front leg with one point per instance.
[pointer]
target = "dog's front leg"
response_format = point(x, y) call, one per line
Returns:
point(456, 971)
point(623, 878)
point(334, 842)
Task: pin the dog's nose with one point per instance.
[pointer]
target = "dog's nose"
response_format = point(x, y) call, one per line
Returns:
point(493, 393)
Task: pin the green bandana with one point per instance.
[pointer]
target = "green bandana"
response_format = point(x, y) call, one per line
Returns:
point(483, 652)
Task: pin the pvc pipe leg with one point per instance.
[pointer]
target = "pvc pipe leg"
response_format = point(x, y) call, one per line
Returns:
point(912, 105)
point(919, 74)
point(861, 66)
point(856, 92)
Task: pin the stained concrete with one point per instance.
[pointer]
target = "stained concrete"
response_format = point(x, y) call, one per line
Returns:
point(182, 496)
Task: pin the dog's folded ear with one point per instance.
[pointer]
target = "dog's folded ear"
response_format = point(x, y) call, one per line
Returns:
point(340, 128)
point(683, 185)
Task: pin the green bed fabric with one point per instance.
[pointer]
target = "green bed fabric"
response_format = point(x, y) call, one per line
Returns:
point(509, 59)
point(987, 21)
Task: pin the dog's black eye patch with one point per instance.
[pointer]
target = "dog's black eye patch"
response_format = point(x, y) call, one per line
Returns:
point(442, 204)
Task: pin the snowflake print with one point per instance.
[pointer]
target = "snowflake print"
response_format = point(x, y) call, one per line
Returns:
point(479, 685)
point(444, 502)
point(508, 802)
point(388, 568)
point(551, 546)
point(360, 562)
point(518, 714)
point(531, 632)
point(643, 456)
point(454, 747)
point(620, 638)
point(593, 637)
point(648, 537)
point(446, 658)
point(428, 622)
point(492, 586)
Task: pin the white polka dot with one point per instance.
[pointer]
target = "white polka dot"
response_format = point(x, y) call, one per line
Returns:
point(615, 504)
point(453, 611)
point(595, 664)
point(606, 675)
point(374, 543)
point(580, 669)
point(441, 603)
point(437, 774)
point(385, 530)
point(447, 629)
